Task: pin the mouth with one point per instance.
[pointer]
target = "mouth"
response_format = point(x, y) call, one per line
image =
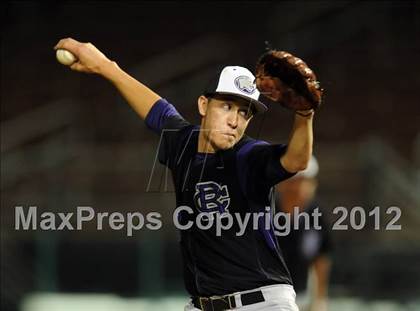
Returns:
point(229, 135)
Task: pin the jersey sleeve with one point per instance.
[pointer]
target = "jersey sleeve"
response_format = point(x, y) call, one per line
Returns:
point(259, 167)
point(166, 121)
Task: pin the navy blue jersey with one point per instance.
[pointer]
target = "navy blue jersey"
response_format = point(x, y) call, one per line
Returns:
point(235, 181)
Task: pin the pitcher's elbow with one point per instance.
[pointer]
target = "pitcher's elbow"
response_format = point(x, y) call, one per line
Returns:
point(302, 166)
point(295, 165)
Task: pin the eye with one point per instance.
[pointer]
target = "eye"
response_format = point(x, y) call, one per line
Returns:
point(226, 106)
point(245, 113)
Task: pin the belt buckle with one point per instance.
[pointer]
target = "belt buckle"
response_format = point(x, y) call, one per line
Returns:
point(202, 300)
point(225, 300)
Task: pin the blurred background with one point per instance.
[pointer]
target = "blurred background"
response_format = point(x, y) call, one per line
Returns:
point(69, 139)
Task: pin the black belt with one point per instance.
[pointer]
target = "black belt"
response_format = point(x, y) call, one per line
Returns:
point(220, 303)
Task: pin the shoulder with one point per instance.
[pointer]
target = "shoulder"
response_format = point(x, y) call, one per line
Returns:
point(249, 148)
point(164, 116)
point(247, 144)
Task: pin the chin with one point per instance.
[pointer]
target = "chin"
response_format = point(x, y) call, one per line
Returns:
point(225, 145)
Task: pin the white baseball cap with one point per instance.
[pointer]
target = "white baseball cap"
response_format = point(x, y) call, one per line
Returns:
point(236, 81)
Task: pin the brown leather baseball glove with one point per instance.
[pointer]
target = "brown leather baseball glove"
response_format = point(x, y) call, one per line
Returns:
point(286, 79)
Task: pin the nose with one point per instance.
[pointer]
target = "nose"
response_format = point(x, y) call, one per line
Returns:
point(233, 119)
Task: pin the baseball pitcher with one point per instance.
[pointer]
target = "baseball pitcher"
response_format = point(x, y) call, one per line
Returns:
point(218, 170)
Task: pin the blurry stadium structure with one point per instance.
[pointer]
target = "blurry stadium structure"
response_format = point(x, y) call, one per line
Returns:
point(69, 140)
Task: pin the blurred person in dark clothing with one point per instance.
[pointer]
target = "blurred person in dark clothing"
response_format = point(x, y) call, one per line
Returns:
point(307, 249)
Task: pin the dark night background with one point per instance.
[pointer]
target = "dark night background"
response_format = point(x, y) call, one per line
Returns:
point(69, 139)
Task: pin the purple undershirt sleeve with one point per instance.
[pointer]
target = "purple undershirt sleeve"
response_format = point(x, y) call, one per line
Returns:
point(161, 111)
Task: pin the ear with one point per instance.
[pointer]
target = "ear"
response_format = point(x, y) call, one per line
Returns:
point(202, 102)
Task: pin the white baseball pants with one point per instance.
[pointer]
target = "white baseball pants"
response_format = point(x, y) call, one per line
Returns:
point(279, 297)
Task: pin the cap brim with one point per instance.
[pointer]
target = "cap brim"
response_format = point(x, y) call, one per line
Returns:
point(259, 106)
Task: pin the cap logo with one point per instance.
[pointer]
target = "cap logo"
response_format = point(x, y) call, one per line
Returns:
point(245, 84)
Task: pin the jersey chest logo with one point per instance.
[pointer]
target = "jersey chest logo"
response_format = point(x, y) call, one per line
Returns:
point(210, 197)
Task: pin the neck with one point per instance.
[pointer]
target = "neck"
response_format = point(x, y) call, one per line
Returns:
point(204, 144)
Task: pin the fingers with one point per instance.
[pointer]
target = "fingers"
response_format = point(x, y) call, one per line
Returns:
point(69, 44)
point(78, 67)
point(63, 43)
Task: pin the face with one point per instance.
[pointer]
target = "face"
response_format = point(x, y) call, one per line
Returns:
point(224, 121)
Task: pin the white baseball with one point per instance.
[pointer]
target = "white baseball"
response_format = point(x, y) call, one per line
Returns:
point(65, 57)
